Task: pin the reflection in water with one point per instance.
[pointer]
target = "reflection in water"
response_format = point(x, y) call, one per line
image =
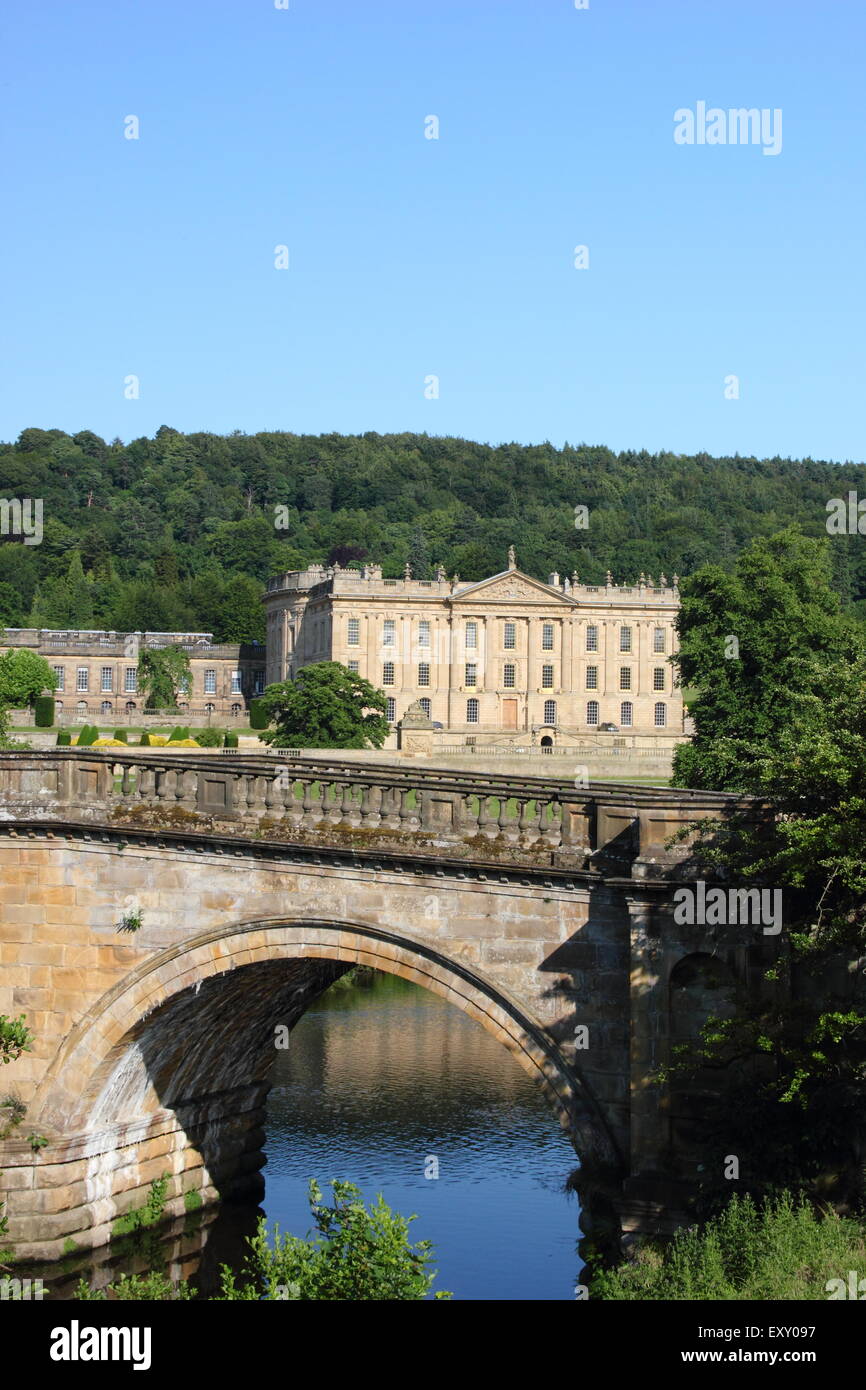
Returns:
point(381, 1078)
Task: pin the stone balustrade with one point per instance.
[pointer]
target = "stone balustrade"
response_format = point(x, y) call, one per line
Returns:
point(349, 804)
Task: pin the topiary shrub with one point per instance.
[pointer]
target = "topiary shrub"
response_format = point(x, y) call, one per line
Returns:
point(258, 717)
point(64, 738)
point(89, 734)
point(120, 735)
point(230, 740)
point(43, 707)
point(144, 741)
point(209, 738)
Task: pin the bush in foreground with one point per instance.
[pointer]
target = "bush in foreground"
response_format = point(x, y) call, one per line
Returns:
point(781, 1249)
point(355, 1254)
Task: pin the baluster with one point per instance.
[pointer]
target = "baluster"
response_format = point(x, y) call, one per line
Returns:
point(350, 813)
point(165, 778)
point(371, 807)
point(391, 799)
point(311, 814)
point(255, 795)
point(274, 793)
point(503, 821)
point(486, 818)
point(146, 783)
point(241, 792)
point(526, 823)
point(186, 788)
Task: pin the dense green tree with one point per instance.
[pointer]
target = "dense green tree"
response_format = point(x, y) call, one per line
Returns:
point(23, 676)
point(373, 493)
point(161, 673)
point(239, 612)
point(12, 612)
point(419, 556)
point(326, 706)
point(751, 643)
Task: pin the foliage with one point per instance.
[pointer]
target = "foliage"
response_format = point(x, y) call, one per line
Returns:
point(23, 676)
point(88, 736)
point(779, 1249)
point(161, 673)
point(209, 738)
point(43, 707)
point(326, 706)
point(141, 1218)
point(355, 1254)
point(121, 735)
point(753, 643)
point(230, 739)
point(15, 1038)
point(258, 716)
point(787, 726)
point(130, 921)
point(180, 532)
point(153, 1287)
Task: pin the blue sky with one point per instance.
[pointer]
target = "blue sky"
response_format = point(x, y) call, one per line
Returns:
point(411, 257)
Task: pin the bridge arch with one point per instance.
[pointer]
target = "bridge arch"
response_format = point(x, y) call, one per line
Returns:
point(169, 1070)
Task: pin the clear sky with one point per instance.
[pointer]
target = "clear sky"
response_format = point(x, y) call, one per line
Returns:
point(412, 257)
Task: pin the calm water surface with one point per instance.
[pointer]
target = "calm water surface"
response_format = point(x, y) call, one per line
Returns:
point(382, 1077)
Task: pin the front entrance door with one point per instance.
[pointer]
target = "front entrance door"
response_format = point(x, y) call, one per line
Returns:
point(509, 714)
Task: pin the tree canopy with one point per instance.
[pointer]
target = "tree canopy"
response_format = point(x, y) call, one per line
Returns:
point(326, 706)
point(162, 671)
point(150, 534)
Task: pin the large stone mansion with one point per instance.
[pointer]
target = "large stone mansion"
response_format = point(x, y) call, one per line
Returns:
point(506, 659)
point(97, 672)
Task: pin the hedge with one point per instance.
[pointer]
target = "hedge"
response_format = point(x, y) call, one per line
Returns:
point(43, 706)
point(258, 717)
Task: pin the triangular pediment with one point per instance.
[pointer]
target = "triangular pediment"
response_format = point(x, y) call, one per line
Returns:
point(510, 586)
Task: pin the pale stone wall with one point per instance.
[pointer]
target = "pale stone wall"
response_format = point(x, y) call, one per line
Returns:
point(532, 655)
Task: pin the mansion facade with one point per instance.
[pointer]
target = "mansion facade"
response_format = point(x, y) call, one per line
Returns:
point(507, 659)
point(97, 672)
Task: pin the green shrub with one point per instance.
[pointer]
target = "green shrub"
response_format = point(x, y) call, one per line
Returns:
point(120, 735)
point(43, 706)
point(779, 1250)
point(208, 738)
point(89, 734)
point(64, 738)
point(356, 1254)
point(258, 716)
point(150, 1288)
point(144, 741)
point(230, 740)
point(177, 734)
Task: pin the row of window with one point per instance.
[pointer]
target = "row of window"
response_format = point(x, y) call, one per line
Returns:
point(509, 676)
point(130, 680)
point(593, 713)
point(509, 636)
point(108, 708)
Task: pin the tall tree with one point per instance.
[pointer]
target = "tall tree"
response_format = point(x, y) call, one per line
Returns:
point(326, 706)
point(751, 643)
point(161, 673)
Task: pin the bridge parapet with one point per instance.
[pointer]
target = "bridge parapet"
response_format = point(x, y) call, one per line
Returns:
point(605, 827)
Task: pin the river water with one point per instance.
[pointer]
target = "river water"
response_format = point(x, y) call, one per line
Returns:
point(395, 1090)
point(384, 1082)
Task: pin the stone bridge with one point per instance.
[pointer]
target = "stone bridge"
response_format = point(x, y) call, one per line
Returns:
point(161, 914)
